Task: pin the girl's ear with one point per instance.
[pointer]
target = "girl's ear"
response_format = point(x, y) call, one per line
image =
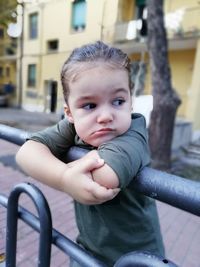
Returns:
point(68, 114)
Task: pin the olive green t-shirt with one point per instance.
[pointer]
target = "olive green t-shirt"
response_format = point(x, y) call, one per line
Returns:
point(127, 223)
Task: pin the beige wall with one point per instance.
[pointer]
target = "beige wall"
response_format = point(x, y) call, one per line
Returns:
point(181, 63)
point(193, 104)
point(126, 10)
point(191, 13)
point(102, 16)
point(55, 23)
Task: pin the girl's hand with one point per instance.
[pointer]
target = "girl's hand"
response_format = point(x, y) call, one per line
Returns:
point(78, 183)
point(103, 175)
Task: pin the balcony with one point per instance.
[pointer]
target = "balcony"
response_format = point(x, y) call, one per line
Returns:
point(8, 49)
point(182, 26)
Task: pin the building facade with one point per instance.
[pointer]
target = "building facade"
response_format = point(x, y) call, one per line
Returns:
point(53, 28)
point(8, 67)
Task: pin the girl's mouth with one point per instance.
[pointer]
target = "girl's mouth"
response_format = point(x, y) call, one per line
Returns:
point(103, 131)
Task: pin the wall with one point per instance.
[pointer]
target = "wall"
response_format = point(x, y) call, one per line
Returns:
point(53, 26)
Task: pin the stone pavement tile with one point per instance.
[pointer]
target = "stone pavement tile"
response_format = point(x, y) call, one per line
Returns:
point(27, 263)
point(29, 121)
point(181, 235)
point(62, 217)
point(59, 259)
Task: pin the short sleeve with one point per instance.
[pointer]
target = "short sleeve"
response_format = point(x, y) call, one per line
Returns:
point(58, 138)
point(129, 153)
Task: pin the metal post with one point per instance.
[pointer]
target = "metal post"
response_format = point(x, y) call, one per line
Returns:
point(45, 224)
point(63, 243)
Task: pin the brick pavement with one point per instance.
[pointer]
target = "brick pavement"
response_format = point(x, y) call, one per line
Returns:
point(181, 230)
point(61, 206)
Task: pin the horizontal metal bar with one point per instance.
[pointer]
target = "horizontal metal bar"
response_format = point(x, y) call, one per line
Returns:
point(143, 259)
point(3, 200)
point(13, 135)
point(171, 189)
point(134, 259)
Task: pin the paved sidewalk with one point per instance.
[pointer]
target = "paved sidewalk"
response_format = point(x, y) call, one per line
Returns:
point(29, 121)
point(61, 207)
point(181, 230)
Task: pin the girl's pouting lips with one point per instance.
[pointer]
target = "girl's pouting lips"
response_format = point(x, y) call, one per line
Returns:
point(103, 131)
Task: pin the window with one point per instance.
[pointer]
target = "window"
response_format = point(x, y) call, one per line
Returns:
point(1, 33)
point(78, 15)
point(1, 71)
point(33, 26)
point(141, 16)
point(32, 75)
point(52, 45)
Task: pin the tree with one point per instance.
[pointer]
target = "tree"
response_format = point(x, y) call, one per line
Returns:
point(7, 10)
point(166, 100)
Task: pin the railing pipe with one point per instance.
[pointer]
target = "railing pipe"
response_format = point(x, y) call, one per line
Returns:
point(13, 135)
point(143, 259)
point(174, 190)
point(45, 224)
point(59, 240)
point(133, 259)
point(171, 189)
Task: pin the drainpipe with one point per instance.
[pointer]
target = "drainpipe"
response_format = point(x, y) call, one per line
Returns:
point(21, 51)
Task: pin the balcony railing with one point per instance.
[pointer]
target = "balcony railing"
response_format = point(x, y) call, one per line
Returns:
point(182, 23)
point(8, 49)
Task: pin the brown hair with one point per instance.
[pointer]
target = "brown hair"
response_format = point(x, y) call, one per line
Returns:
point(92, 54)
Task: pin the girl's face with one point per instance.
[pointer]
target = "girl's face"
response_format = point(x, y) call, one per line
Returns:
point(99, 104)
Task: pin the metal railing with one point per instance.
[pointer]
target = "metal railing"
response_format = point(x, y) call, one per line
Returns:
point(171, 189)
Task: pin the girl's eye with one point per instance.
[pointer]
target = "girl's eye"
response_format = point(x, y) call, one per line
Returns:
point(89, 106)
point(118, 102)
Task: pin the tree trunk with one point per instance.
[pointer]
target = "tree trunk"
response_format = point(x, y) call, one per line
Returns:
point(166, 101)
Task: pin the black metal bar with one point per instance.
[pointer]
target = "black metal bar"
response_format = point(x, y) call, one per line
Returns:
point(143, 259)
point(174, 190)
point(3, 200)
point(134, 259)
point(171, 189)
point(62, 242)
point(75, 251)
point(45, 224)
point(13, 135)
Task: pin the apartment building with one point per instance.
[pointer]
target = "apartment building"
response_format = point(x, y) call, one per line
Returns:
point(53, 28)
point(8, 68)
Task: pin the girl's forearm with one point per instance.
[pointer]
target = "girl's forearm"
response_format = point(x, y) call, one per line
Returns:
point(105, 176)
point(73, 178)
point(38, 162)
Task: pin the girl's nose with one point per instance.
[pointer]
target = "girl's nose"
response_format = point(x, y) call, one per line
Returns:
point(105, 116)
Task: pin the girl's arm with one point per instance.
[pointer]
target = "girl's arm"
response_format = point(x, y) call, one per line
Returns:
point(73, 178)
point(104, 175)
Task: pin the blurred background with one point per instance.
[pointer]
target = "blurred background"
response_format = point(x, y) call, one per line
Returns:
point(37, 36)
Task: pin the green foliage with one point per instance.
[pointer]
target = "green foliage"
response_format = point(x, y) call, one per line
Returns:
point(7, 9)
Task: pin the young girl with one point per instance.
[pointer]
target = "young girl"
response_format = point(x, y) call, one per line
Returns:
point(112, 218)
